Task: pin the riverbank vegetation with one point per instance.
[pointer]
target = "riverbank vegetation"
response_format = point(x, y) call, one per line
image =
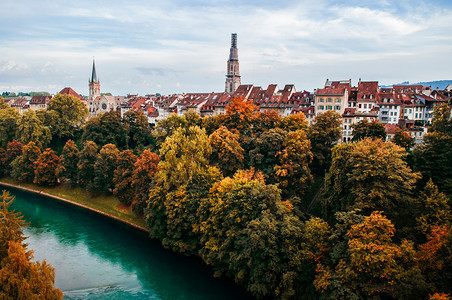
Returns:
point(233, 189)
point(20, 277)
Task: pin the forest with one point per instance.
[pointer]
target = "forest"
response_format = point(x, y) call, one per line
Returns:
point(275, 204)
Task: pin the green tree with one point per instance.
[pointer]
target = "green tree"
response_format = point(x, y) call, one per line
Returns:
point(88, 157)
point(122, 177)
point(441, 121)
point(184, 154)
point(267, 146)
point(105, 129)
point(138, 130)
point(227, 154)
point(9, 118)
point(23, 167)
point(370, 175)
point(104, 168)
point(434, 208)
point(324, 134)
point(68, 162)
point(46, 168)
point(364, 129)
point(168, 126)
point(142, 179)
point(403, 139)
point(434, 156)
point(31, 129)
point(66, 115)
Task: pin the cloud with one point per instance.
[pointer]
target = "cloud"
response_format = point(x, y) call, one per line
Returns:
point(184, 45)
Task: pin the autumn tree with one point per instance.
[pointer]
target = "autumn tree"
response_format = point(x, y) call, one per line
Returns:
point(324, 134)
point(9, 118)
point(23, 167)
point(122, 177)
point(403, 139)
point(264, 121)
point(227, 154)
point(239, 115)
point(2, 162)
point(364, 128)
point(88, 157)
point(292, 170)
point(144, 170)
point(20, 277)
point(46, 168)
point(373, 265)
point(370, 175)
point(138, 130)
point(435, 257)
point(293, 122)
point(212, 123)
point(24, 279)
point(104, 168)
point(11, 224)
point(31, 129)
point(13, 150)
point(68, 162)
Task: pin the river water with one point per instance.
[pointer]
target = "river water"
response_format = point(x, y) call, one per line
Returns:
point(97, 258)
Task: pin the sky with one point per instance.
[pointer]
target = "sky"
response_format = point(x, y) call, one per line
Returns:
point(175, 46)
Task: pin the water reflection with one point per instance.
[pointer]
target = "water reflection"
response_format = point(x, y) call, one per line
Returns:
point(97, 258)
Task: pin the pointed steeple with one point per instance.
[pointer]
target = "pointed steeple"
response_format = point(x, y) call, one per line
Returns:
point(234, 53)
point(94, 74)
point(232, 72)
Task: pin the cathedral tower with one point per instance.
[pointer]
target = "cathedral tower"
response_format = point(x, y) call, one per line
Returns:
point(94, 84)
point(233, 74)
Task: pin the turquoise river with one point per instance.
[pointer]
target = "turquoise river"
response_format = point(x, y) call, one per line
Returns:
point(98, 258)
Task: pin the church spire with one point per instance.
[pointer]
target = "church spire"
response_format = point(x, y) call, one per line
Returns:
point(233, 73)
point(94, 74)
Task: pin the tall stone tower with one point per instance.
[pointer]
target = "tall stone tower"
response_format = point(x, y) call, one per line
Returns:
point(233, 73)
point(94, 84)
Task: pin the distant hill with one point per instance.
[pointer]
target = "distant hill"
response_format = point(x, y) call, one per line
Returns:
point(441, 84)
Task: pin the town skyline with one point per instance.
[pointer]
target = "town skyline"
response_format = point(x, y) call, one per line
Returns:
point(182, 46)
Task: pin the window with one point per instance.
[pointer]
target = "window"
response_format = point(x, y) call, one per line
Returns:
point(329, 107)
point(330, 100)
point(320, 99)
point(337, 107)
point(320, 107)
point(365, 105)
point(338, 100)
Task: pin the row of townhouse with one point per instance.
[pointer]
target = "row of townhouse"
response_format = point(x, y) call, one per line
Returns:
point(406, 106)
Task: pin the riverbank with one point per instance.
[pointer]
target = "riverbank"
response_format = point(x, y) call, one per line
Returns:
point(107, 206)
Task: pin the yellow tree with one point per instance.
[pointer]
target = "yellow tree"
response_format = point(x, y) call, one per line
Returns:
point(227, 154)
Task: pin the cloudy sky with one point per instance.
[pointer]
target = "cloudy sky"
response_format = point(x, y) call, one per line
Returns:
point(178, 46)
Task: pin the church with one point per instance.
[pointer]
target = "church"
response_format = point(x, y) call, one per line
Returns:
point(98, 103)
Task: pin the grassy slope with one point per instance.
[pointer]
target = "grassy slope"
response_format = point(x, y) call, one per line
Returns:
point(106, 204)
